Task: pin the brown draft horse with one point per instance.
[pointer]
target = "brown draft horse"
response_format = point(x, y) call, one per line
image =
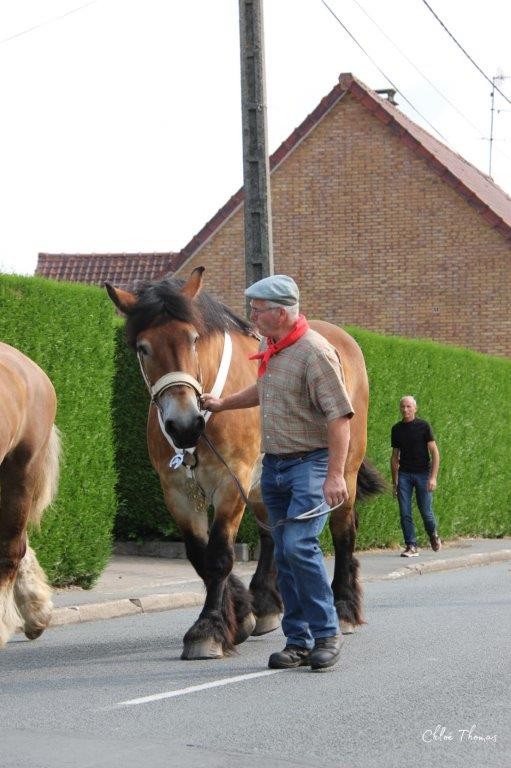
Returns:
point(29, 469)
point(179, 335)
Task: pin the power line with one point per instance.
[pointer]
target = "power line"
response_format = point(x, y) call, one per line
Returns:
point(44, 23)
point(406, 58)
point(465, 52)
point(382, 72)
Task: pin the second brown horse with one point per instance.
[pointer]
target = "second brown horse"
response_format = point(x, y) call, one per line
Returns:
point(29, 471)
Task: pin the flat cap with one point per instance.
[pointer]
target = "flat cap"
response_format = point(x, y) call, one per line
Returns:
point(278, 288)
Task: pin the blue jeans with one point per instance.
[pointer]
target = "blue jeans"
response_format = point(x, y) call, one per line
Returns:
point(290, 487)
point(406, 482)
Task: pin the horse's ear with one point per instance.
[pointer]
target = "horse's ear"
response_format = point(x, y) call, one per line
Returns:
point(123, 300)
point(193, 285)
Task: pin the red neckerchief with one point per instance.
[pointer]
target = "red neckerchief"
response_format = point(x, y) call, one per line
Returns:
point(300, 327)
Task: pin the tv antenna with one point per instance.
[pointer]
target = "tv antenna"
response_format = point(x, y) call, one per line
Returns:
point(492, 112)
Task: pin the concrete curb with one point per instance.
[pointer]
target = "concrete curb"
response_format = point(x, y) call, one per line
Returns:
point(128, 606)
point(467, 561)
point(173, 550)
point(77, 614)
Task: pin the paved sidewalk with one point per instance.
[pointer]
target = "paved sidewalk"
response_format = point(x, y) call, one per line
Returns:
point(133, 584)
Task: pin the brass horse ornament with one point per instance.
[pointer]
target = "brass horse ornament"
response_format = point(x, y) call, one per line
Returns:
point(187, 343)
point(29, 470)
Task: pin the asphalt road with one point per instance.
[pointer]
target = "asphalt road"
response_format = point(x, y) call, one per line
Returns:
point(425, 683)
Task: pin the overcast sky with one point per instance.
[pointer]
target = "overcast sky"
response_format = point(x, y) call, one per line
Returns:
point(121, 120)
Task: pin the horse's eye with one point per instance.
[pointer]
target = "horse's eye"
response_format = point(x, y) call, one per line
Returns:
point(195, 339)
point(142, 349)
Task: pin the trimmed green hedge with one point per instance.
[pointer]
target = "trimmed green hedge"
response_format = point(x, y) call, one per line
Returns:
point(68, 330)
point(141, 512)
point(466, 397)
point(73, 333)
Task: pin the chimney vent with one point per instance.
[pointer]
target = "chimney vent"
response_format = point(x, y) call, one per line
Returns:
point(390, 93)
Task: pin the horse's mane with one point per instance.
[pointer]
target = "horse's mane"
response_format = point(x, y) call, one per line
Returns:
point(159, 302)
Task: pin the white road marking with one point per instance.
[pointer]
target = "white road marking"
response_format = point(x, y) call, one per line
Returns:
point(193, 689)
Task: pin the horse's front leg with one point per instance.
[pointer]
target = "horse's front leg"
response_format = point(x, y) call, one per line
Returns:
point(226, 618)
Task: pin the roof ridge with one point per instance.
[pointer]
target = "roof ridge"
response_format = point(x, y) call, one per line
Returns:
point(447, 154)
point(282, 151)
point(348, 82)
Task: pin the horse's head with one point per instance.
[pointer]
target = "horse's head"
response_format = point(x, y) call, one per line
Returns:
point(163, 326)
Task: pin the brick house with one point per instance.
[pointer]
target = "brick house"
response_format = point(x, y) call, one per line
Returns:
point(381, 225)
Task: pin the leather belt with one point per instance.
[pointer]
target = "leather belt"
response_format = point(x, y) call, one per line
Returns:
point(291, 456)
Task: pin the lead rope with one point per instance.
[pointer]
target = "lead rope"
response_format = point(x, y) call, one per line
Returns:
point(319, 511)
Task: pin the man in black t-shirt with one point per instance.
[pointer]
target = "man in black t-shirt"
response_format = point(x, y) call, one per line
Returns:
point(414, 465)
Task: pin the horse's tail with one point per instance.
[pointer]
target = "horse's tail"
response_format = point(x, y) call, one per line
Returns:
point(369, 482)
point(48, 479)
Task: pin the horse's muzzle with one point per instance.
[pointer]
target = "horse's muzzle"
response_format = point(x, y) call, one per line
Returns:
point(185, 436)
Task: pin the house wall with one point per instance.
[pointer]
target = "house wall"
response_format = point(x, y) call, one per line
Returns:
point(374, 237)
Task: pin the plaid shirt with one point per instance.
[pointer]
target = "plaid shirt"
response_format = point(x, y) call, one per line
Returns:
point(303, 388)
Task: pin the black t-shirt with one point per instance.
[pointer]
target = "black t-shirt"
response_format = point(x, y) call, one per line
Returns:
point(412, 438)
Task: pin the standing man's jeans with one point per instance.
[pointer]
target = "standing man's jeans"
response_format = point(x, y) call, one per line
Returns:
point(406, 482)
point(290, 487)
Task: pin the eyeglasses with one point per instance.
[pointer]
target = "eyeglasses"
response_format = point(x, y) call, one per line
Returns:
point(255, 311)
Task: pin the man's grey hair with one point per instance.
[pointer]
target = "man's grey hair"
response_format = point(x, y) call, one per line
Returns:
point(292, 311)
point(408, 397)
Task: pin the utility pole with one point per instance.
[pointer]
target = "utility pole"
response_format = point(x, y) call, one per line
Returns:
point(256, 168)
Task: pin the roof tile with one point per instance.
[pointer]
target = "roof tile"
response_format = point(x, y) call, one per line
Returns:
point(122, 269)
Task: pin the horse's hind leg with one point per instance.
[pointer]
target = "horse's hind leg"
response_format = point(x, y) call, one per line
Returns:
point(345, 584)
point(32, 594)
point(10, 619)
point(14, 509)
point(266, 599)
point(27, 486)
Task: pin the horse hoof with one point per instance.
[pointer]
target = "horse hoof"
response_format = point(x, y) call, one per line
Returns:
point(347, 628)
point(265, 624)
point(245, 629)
point(34, 632)
point(202, 649)
point(35, 629)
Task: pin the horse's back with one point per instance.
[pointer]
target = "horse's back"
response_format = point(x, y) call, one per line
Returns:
point(18, 369)
point(27, 400)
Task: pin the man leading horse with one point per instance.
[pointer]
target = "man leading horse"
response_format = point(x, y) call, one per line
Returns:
point(305, 435)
